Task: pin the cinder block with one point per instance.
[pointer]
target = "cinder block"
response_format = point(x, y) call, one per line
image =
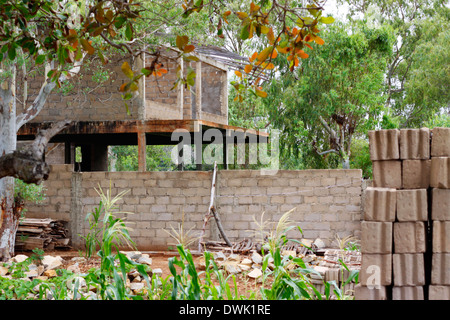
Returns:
point(369, 293)
point(416, 174)
point(376, 237)
point(415, 144)
point(438, 293)
point(440, 142)
point(440, 172)
point(440, 209)
point(409, 237)
point(412, 205)
point(376, 270)
point(441, 236)
point(408, 269)
point(407, 293)
point(440, 265)
point(387, 174)
point(379, 204)
point(384, 144)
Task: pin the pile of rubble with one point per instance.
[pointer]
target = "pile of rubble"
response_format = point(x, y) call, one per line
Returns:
point(48, 266)
point(324, 265)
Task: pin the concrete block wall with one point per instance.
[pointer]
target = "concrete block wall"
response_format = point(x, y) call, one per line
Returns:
point(327, 202)
point(84, 97)
point(411, 168)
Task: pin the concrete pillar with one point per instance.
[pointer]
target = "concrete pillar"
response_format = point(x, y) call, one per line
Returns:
point(142, 151)
point(76, 211)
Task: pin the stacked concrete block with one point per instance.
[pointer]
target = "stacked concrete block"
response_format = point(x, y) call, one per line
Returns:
point(407, 164)
point(376, 244)
point(440, 214)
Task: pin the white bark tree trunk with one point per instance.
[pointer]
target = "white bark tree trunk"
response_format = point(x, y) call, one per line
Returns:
point(8, 142)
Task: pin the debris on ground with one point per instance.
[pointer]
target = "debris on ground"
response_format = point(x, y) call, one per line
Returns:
point(243, 260)
point(44, 234)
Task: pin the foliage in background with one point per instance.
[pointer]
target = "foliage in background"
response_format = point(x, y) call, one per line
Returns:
point(417, 74)
point(360, 157)
point(125, 158)
point(29, 192)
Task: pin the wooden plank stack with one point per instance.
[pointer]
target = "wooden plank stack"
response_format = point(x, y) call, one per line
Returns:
point(44, 234)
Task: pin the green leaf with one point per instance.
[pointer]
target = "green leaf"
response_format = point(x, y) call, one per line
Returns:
point(245, 32)
point(119, 21)
point(12, 52)
point(326, 20)
point(312, 11)
point(129, 31)
point(146, 71)
point(40, 59)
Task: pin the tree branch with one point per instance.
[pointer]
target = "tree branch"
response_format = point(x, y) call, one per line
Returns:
point(27, 163)
point(47, 87)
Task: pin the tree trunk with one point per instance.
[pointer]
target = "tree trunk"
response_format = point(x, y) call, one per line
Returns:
point(26, 164)
point(8, 141)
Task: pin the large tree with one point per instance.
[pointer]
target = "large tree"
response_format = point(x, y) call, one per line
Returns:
point(417, 76)
point(335, 95)
point(58, 36)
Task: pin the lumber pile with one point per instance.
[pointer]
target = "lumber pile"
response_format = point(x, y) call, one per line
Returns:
point(44, 234)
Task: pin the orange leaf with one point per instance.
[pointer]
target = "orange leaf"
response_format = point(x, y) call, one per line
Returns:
point(270, 36)
point(248, 68)
point(189, 48)
point(295, 61)
point(253, 57)
point(283, 50)
point(87, 46)
point(268, 66)
point(242, 15)
point(122, 87)
point(264, 54)
point(238, 73)
point(260, 93)
point(308, 38)
point(253, 7)
point(302, 54)
point(319, 40)
point(162, 70)
point(308, 46)
point(274, 54)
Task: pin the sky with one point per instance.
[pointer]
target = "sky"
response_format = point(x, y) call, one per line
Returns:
point(338, 11)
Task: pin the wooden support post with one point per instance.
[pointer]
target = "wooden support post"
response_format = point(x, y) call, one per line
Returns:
point(142, 151)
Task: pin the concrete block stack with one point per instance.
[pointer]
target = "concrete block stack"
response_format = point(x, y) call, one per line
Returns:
point(405, 232)
point(440, 214)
